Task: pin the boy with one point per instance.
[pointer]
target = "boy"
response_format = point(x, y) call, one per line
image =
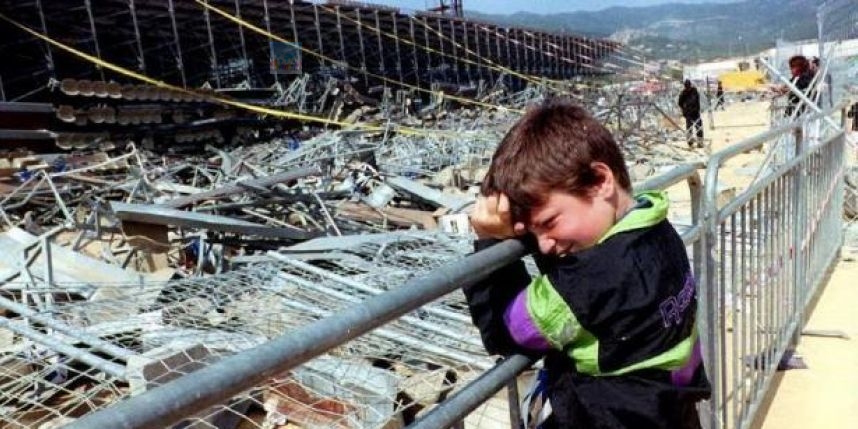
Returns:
point(613, 310)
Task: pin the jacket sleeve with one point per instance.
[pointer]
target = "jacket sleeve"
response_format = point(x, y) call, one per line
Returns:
point(489, 299)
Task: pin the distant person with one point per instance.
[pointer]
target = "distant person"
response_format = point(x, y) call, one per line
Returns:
point(853, 113)
point(719, 96)
point(689, 102)
point(802, 76)
point(823, 83)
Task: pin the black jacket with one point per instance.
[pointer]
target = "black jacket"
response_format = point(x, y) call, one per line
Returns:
point(802, 83)
point(617, 291)
point(689, 102)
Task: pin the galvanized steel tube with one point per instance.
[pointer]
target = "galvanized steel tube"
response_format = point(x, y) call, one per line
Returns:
point(477, 392)
point(169, 403)
point(110, 368)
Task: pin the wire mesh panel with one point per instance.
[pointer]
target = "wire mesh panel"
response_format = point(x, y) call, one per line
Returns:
point(102, 351)
point(838, 32)
point(838, 36)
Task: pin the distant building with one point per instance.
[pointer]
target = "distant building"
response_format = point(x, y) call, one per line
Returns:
point(709, 72)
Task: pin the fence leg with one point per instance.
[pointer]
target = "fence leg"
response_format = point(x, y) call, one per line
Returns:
point(799, 219)
point(514, 410)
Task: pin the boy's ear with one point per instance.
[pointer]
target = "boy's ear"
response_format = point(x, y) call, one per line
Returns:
point(606, 187)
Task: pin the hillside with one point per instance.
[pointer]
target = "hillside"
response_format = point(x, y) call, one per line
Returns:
point(685, 31)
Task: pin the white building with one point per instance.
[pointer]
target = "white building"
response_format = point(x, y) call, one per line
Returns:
point(704, 72)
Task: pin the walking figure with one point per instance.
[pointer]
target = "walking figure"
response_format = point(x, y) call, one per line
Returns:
point(689, 102)
point(719, 97)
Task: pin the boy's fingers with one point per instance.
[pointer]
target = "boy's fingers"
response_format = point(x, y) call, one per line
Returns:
point(519, 228)
point(503, 204)
point(491, 203)
point(479, 210)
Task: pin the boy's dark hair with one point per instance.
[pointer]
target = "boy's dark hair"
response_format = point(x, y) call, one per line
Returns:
point(550, 148)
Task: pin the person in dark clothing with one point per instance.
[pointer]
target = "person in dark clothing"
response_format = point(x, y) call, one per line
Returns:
point(802, 76)
point(823, 83)
point(613, 310)
point(719, 96)
point(853, 113)
point(689, 102)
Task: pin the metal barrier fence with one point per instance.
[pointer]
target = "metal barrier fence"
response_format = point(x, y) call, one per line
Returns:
point(768, 250)
point(760, 256)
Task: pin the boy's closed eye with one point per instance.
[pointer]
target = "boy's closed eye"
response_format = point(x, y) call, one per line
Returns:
point(545, 224)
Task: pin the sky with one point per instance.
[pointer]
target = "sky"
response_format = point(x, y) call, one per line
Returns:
point(534, 6)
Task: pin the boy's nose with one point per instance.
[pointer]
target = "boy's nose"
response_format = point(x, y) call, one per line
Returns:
point(546, 245)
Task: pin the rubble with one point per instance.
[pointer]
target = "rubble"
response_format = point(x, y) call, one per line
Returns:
point(152, 230)
point(176, 260)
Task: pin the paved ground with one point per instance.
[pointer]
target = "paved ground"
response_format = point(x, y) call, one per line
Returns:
point(826, 394)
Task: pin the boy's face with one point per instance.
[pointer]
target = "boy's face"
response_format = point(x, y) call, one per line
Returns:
point(567, 223)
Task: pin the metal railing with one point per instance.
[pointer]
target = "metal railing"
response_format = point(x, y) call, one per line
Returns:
point(759, 257)
point(768, 250)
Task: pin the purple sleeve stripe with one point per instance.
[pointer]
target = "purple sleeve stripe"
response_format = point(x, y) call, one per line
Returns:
point(683, 376)
point(522, 327)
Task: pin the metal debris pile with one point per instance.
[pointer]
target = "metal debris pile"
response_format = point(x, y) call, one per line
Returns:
point(132, 259)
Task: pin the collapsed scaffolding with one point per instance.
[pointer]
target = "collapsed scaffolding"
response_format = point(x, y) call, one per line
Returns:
point(144, 255)
point(182, 223)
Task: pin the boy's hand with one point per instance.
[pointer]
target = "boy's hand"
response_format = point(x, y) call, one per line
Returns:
point(491, 218)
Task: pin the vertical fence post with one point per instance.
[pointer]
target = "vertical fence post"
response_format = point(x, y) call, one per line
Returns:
point(708, 295)
point(799, 219)
point(514, 400)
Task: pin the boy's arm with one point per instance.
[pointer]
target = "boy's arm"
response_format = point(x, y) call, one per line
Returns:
point(519, 314)
point(489, 300)
point(514, 313)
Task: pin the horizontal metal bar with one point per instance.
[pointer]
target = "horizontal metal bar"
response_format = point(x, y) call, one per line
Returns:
point(400, 336)
point(360, 286)
point(476, 393)
point(76, 333)
point(672, 177)
point(740, 200)
point(60, 347)
point(169, 403)
point(236, 188)
point(159, 215)
point(717, 159)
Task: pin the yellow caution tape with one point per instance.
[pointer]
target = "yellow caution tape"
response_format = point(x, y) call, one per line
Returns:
point(238, 104)
point(266, 33)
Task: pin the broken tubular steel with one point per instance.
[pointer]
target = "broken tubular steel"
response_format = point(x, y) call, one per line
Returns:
point(242, 186)
point(169, 403)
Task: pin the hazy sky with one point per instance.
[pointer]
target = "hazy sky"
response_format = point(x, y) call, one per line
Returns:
point(535, 6)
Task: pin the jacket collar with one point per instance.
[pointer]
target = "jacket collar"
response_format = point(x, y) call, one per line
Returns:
point(651, 208)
